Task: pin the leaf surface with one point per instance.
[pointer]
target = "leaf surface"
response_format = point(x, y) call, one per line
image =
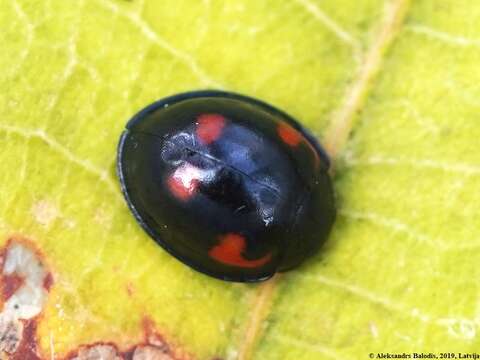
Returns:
point(399, 272)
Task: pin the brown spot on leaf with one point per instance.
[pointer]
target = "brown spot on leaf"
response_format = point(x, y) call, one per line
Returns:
point(151, 334)
point(130, 288)
point(22, 266)
point(154, 347)
point(48, 282)
point(110, 351)
point(18, 325)
point(10, 284)
point(27, 350)
point(98, 351)
point(151, 353)
point(10, 334)
point(26, 243)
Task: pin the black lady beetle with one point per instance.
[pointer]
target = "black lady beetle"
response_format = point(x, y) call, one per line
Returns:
point(228, 184)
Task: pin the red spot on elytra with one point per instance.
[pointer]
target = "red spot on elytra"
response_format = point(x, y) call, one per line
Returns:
point(289, 135)
point(10, 284)
point(230, 249)
point(184, 181)
point(293, 137)
point(209, 127)
point(179, 189)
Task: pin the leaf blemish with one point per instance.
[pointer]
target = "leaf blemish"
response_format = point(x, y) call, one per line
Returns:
point(23, 278)
point(25, 283)
point(45, 212)
point(154, 347)
point(10, 284)
point(130, 288)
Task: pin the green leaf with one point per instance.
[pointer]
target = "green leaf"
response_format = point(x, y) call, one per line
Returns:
point(390, 87)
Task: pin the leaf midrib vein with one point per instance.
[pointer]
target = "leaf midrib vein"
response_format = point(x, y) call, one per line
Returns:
point(341, 125)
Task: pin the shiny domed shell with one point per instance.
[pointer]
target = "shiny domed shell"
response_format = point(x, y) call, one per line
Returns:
point(227, 184)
